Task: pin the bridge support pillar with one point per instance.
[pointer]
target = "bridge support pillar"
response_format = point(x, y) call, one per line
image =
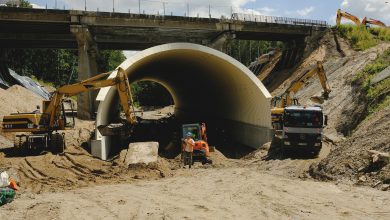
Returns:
point(220, 43)
point(87, 67)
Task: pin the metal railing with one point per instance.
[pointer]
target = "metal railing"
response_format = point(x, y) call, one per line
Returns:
point(278, 20)
point(154, 8)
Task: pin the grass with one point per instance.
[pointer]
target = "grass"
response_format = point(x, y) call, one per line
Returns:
point(362, 38)
point(381, 33)
point(43, 83)
point(378, 95)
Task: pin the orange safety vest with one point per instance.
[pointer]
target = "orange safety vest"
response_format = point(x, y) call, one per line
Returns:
point(189, 145)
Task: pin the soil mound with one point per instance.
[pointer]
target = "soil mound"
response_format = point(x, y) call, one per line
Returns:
point(18, 99)
point(350, 159)
point(75, 168)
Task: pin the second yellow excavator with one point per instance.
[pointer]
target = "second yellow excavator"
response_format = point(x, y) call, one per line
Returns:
point(43, 127)
point(343, 14)
point(366, 21)
point(287, 98)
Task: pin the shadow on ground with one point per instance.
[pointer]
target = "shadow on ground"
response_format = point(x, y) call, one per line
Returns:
point(277, 152)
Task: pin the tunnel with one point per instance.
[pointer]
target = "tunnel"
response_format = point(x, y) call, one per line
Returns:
point(205, 84)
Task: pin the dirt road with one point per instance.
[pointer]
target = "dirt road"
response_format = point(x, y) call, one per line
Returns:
point(221, 193)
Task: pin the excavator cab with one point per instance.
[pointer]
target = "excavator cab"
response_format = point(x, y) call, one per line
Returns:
point(65, 115)
point(68, 113)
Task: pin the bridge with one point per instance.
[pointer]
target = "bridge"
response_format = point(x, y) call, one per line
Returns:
point(92, 31)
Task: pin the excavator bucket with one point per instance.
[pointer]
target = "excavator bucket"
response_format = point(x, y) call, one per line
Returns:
point(320, 99)
point(114, 129)
point(317, 99)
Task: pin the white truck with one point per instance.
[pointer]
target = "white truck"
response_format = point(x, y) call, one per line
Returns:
point(303, 127)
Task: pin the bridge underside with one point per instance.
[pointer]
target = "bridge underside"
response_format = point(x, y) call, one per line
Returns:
point(206, 85)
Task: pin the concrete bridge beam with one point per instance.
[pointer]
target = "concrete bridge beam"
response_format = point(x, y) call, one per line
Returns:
point(87, 67)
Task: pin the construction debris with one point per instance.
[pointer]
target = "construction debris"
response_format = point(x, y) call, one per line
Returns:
point(141, 152)
point(379, 156)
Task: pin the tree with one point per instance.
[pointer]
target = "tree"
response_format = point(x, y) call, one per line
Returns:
point(22, 3)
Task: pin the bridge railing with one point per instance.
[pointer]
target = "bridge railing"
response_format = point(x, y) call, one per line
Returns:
point(278, 20)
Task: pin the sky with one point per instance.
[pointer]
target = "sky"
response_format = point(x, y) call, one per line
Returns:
point(308, 9)
point(311, 9)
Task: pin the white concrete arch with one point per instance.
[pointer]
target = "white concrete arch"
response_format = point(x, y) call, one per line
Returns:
point(204, 83)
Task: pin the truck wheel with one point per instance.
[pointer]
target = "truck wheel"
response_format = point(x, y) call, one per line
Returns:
point(57, 143)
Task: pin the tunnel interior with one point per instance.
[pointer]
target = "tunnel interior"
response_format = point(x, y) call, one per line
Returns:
point(206, 86)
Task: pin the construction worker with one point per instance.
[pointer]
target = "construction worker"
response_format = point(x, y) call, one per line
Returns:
point(189, 144)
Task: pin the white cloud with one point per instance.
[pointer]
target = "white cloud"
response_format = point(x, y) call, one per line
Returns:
point(306, 11)
point(37, 6)
point(377, 9)
point(266, 10)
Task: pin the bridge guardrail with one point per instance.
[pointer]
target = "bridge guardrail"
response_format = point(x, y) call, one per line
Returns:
point(278, 20)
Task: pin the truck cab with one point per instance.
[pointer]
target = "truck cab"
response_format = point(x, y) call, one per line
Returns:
point(303, 127)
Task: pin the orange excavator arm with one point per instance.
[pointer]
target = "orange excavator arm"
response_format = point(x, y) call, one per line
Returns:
point(366, 21)
point(341, 14)
point(94, 83)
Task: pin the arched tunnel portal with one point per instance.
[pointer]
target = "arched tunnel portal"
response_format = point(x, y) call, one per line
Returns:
point(206, 85)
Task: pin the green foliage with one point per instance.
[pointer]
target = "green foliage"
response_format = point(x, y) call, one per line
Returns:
point(359, 37)
point(50, 65)
point(25, 4)
point(246, 51)
point(377, 95)
point(381, 33)
point(110, 59)
point(22, 4)
point(57, 66)
point(41, 82)
point(148, 93)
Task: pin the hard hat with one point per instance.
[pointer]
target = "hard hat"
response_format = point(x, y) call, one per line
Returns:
point(189, 134)
point(13, 184)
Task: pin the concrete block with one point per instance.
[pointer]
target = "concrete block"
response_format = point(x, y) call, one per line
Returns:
point(142, 152)
point(99, 149)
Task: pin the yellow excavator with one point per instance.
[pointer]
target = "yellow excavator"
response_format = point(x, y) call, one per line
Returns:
point(366, 21)
point(43, 127)
point(343, 14)
point(287, 98)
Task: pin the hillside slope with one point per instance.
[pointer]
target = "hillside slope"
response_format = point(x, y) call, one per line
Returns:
point(346, 108)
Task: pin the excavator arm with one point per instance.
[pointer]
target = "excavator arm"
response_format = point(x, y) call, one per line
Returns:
point(366, 21)
point(94, 83)
point(341, 14)
point(297, 84)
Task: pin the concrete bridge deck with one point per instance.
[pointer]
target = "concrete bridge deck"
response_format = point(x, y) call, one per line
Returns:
point(42, 28)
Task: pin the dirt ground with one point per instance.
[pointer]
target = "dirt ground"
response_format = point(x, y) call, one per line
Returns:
point(200, 193)
point(349, 139)
point(266, 184)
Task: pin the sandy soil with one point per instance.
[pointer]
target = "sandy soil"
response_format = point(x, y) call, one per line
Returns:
point(220, 193)
point(348, 161)
point(18, 99)
point(268, 183)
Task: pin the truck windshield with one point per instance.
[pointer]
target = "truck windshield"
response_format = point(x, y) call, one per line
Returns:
point(308, 119)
